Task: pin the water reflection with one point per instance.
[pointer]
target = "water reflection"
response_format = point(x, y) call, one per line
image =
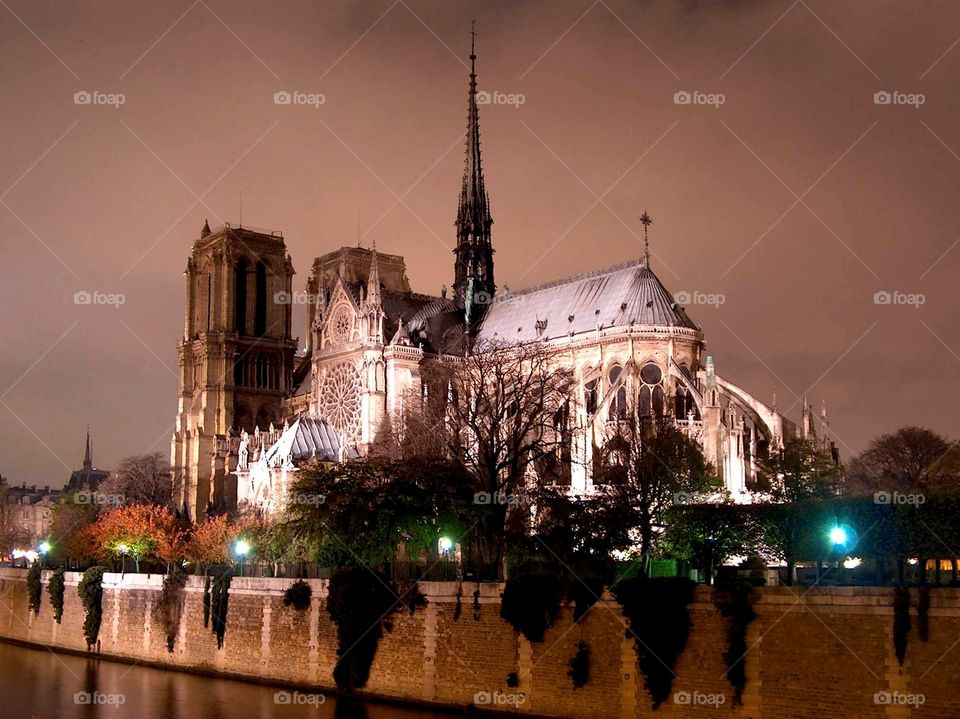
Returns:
point(38, 684)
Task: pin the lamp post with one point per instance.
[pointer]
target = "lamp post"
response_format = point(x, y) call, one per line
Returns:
point(122, 548)
point(44, 549)
point(241, 549)
point(838, 538)
point(445, 544)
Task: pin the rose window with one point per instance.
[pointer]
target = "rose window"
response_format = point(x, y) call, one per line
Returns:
point(339, 398)
point(341, 325)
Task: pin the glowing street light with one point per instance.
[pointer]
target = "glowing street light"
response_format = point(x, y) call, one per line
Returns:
point(43, 549)
point(241, 548)
point(122, 548)
point(446, 544)
point(838, 536)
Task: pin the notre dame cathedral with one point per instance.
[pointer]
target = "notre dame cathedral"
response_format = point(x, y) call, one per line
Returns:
point(251, 408)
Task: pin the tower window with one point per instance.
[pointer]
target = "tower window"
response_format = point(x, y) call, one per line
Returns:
point(260, 305)
point(618, 402)
point(240, 298)
point(590, 396)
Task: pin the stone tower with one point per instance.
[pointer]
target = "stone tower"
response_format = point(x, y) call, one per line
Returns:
point(235, 356)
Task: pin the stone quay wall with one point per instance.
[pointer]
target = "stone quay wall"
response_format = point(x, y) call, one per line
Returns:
point(825, 652)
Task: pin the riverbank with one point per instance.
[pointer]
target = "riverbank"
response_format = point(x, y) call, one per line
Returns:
point(827, 651)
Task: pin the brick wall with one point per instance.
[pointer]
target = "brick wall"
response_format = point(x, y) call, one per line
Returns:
point(823, 652)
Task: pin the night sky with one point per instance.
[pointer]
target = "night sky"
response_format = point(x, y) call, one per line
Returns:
point(794, 195)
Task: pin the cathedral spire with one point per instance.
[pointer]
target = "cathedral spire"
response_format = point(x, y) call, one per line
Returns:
point(88, 454)
point(646, 221)
point(374, 298)
point(474, 251)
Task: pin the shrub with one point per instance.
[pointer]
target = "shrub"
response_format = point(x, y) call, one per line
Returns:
point(735, 601)
point(357, 602)
point(531, 604)
point(170, 607)
point(55, 589)
point(659, 621)
point(298, 595)
point(580, 666)
point(34, 588)
point(901, 621)
point(90, 590)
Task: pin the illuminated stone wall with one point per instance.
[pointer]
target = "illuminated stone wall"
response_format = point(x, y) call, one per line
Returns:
point(820, 652)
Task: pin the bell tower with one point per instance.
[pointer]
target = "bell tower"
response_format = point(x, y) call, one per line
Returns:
point(235, 357)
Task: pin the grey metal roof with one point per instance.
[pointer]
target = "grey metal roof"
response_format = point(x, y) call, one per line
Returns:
point(615, 296)
point(307, 436)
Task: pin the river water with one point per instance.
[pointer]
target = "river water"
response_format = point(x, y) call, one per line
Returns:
point(39, 684)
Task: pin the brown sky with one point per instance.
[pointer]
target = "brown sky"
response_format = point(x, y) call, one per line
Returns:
point(797, 199)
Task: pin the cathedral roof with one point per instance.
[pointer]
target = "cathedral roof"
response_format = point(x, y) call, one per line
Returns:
point(615, 296)
point(307, 437)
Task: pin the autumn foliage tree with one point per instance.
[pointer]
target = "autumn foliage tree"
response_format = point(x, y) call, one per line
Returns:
point(140, 530)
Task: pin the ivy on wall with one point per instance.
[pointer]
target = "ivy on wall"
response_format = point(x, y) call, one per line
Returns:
point(735, 602)
point(170, 606)
point(298, 596)
point(580, 665)
point(358, 600)
point(55, 589)
point(901, 621)
point(90, 590)
point(34, 588)
point(659, 622)
point(219, 599)
point(531, 604)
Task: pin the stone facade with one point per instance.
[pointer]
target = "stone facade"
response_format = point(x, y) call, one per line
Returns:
point(813, 652)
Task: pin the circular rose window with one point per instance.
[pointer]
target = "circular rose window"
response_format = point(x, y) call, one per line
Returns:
point(339, 398)
point(341, 325)
point(651, 374)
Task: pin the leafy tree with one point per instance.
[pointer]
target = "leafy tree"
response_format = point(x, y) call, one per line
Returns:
point(209, 543)
point(706, 534)
point(138, 530)
point(797, 471)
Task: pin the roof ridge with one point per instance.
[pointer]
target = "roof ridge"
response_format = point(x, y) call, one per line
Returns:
point(638, 262)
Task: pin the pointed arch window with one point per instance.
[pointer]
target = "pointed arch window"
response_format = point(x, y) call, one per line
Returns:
point(651, 399)
point(260, 303)
point(590, 396)
point(618, 402)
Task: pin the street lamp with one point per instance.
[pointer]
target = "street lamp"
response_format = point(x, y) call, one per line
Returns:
point(241, 549)
point(44, 548)
point(445, 544)
point(122, 548)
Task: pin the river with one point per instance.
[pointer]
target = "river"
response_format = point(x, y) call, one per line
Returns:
point(40, 684)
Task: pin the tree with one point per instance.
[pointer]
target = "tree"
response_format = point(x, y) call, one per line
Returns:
point(797, 471)
point(137, 530)
point(70, 526)
point(650, 465)
point(209, 543)
point(497, 414)
point(910, 460)
point(140, 479)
